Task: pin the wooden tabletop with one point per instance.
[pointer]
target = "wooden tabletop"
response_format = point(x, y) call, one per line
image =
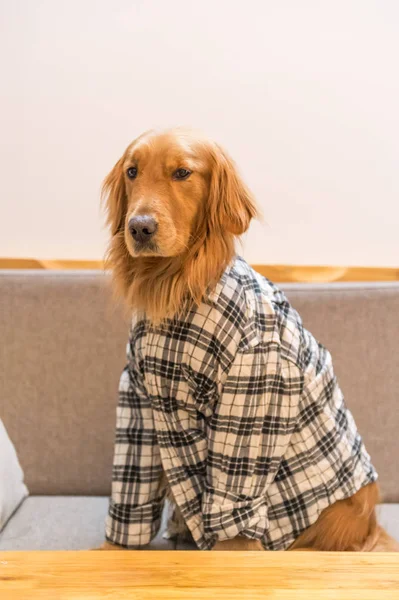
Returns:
point(175, 575)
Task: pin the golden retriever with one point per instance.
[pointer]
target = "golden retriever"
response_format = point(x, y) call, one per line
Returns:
point(175, 204)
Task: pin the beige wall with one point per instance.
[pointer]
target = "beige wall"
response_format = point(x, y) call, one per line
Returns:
point(304, 94)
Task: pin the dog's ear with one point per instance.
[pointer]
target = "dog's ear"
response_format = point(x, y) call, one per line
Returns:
point(114, 197)
point(231, 205)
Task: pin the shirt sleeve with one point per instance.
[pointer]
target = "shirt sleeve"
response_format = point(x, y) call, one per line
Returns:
point(137, 493)
point(248, 435)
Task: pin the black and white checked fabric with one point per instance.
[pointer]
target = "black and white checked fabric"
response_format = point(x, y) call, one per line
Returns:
point(238, 404)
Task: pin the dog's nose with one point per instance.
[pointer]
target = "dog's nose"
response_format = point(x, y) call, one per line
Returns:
point(142, 228)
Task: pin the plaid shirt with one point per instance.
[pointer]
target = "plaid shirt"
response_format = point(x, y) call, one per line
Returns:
point(238, 404)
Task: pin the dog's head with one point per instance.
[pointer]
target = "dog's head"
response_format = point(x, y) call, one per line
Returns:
point(170, 189)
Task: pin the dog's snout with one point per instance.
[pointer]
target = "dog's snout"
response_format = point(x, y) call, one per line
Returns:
point(142, 228)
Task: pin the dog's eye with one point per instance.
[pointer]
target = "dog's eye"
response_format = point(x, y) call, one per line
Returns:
point(132, 172)
point(181, 174)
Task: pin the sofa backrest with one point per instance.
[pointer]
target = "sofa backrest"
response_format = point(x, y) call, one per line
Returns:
point(62, 350)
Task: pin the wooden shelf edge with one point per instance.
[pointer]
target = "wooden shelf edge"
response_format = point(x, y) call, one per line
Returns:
point(321, 274)
point(277, 273)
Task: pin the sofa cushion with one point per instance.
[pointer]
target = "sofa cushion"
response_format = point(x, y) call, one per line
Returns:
point(12, 487)
point(64, 342)
point(62, 523)
point(388, 517)
point(77, 523)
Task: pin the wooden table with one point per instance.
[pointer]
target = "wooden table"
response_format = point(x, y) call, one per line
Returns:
point(197, 575)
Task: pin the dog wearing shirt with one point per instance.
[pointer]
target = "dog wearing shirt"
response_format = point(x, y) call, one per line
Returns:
point(227, 404)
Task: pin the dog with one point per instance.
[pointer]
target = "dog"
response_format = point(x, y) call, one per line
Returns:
point(228, 406)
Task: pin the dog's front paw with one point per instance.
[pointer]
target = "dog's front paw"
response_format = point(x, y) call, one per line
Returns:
point(239, 543)
point(109, 546)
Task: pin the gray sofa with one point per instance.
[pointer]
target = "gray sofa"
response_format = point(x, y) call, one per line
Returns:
point(62, 350)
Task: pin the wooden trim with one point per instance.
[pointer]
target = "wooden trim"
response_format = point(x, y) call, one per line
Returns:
point(320, 274)
point(277, 273)
point(72, 264)
point(20, 263)
point(33, 263)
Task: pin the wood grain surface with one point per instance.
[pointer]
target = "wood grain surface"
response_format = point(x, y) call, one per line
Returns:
point(186, 575)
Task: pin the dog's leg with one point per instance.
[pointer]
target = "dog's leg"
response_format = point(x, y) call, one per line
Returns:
point(348, 525)
point(239, 543)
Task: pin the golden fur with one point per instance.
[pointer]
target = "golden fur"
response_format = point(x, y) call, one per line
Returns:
point(198, 220)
